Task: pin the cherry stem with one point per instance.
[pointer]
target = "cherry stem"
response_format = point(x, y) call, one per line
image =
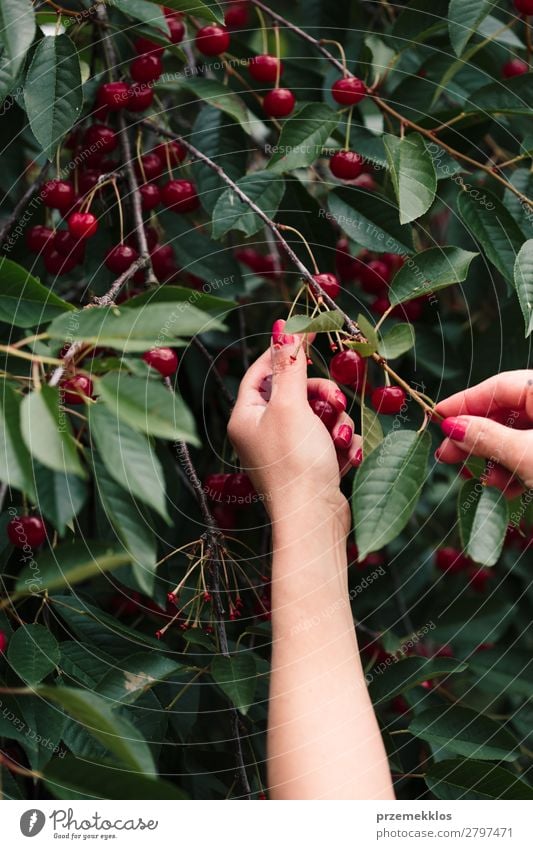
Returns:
point(340, 48)
point(278, 55)
point(264, 30)
point(304, 240)
point(120, 211)
point(348, 129)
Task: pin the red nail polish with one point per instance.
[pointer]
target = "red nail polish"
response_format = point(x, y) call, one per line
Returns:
point(454, 429)
point(340, 398)
point(357, 458)
point(344, 437)
point(278, 336)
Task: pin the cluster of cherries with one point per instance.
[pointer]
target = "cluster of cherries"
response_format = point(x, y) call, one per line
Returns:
point(228, 493)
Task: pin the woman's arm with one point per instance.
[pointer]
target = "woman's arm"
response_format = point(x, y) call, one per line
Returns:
point(323, 737)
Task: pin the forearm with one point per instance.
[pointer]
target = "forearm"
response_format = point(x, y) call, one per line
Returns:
point(323, 737)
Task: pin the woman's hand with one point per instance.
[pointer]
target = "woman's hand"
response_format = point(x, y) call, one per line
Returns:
point(293, 460)
point(493, 420)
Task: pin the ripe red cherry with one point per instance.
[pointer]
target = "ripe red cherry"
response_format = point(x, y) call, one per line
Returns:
point(150, 196)
point(215, 485)
point(348, 367)
point(3, 642)
point(58, 194)
point(164, 360)
point(212, 40)
point(176, 27)
point(119, 258)
point(57, 264)
point(388, 400)
point(114, 96)
point(374, 277)
point(144, 46)
point(324, 411)
point(236, 15)
point(163, 262)
point(348, 91)
point(479, 579)
point(238, 487)
point(264, 68)
point(524, 6)
point(102, 137)
point(180, 196)
point(141, 97)
point(329, 283)
point(26, 530)
point(76, 389)
point(394, 261)
point(146, 69)
point(514, 68)
point(225, 516)
point(38, 237)
point(279, 103)
point(346, 165)
point(451, 560)
point(152, 167)
point(82, 225)
point(68, 246)
point(173, 151)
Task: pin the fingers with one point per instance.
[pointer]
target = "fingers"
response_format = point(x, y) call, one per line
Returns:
point(342, 432)
point(289, 368)
point(251, 390)
point(326, 390)
point(509, 390)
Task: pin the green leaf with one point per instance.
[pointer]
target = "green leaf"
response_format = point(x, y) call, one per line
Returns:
point(129, 458)
point(326, 322)
point(144, 11)
point(177, 294)
point(457, 779)
point(420, 19)
point(147, 406)
point(523, 280)
point(513, 98)
point(412, 173)
point(223, 141)
point(263, 188)
point(47, 431)
point(53, 93)
point(369, 331)
point(302, 137)
point(15, 459)
point(483, 519)
point(429, 271)
point(492, 226)
point(75, 778)
point(371, 220)
point(100, 629)
point(372, 432)
point(236, 677)
point(132, 527)
point(216, 94)
point(402, 675)
point(399, 340)
point(464, 20)
point(508, 671)
point(465, 732)
point(33, 653)
point(17, 30)
point(133, 329)
point(387, 487)
point(60, 496)
point(70, 564)
point(137, 674)
point(210, 11)
point(94, 714)
point(24, 301)
point(363, 348)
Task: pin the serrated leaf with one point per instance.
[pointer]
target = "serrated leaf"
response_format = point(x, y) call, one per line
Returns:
point(489, 526)
point(224, 142)
point(523, 280)
point(326, 322)
point(387, 487)
point(370, 220)
point(15, 459)
point(210, 11)
point(508, 671)
point(216, 94)
point(59, 496)
point(177, 294)
point(412, 173)
point(17, 31)
point(513, 98)
point(402, 675)
point(363, 348)
point(369, 331)
point(492, 226)
point(464, 20)
point(145, 11)
point(236, 677)
point(137, 674)
point(231, 213)
point(302, 137)
point(53, 93)
point(70, 564)
point(24, 301)
point(399, 340)
point(460, 731)
point(372, 432)
point(33, 653)
point(429, 271)
point(47, 431)
point(458, 779)
point(76, 778)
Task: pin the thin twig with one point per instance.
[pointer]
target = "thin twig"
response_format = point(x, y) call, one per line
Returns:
point(216, 374)
point(23, 202)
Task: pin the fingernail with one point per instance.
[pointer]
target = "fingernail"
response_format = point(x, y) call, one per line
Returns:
point(344, 437)
point(357, 458)
point(454, 429)
point(340, 398)
point(278, 336)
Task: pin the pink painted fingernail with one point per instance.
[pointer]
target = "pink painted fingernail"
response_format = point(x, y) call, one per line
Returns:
point(357, 458)
point(340, 398)
point(344, 437)
point(278, 336)
point(454, 429)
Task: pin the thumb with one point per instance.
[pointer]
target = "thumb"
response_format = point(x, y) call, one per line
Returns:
point(289, 367)
point(495, 442)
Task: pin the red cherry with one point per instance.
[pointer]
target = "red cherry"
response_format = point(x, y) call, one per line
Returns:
point(146, 69)
point(451, 560)
point(348, 367)
point(152, 167)
point(38, 237)
point(410, 311)
point(176, 27)
point(279, 103)
point(225, 516)
point(26, 530)
point(325, 411)
point(215, 486)
point(388, 400)
point(173, 152)
point(143, 46)
point(3, 642)
point(399, 705)
point(114, 96)
point(514, 68)
point(164, 360)
point(343, 259)
point(236, 15)
point(212, 40)
point(57, 264)
point(346, 165)
point(348, 91)
point(82, 225)
point(524, 6)
point(102, 137)
point(479, 579)
point(329, 283)
point(87, 180)
point(119, 258)
point(67, 245)
point(380, 305)
point(58, 194)
point(180, 196)
point(264, 68)
point(76, 389)
point(374, 277)
point(141, 97)
point(238, 487)
point(150, 196)
point(394, 261)
point(163, 262)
